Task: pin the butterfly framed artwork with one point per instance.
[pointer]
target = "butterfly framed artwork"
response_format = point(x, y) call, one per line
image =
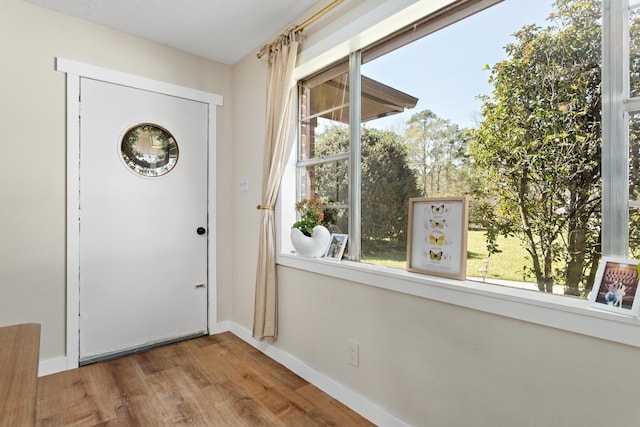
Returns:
point(437, 236)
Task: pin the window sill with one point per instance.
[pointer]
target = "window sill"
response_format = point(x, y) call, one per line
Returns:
point(555, 311)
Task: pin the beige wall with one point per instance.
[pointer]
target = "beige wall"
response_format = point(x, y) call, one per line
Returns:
point(32, 180)
point(426, 362)
point(249, 85)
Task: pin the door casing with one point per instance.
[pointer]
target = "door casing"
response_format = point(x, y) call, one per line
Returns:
point(74, 71)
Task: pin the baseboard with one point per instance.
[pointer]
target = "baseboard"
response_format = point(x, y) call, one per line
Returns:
point(220, 327)
point(350, 398)
point(51, 366)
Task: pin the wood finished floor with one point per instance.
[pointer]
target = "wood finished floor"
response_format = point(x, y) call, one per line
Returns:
point(211, 381)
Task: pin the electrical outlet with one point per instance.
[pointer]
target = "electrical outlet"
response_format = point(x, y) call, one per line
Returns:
point(244, 184)
point(353, 355)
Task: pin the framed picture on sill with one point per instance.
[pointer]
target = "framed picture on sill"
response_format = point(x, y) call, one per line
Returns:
point(437, 236)
point(616, 285)
point(336, 247)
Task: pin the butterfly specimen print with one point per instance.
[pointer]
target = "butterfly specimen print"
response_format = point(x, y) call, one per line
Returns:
point(437, 224)
point(436, 240)
point(437, 209)
point(438, 236)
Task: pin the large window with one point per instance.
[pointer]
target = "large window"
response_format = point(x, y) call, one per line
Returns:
point(499, 101)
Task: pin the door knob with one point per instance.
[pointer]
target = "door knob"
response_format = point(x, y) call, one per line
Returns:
point(201, 230)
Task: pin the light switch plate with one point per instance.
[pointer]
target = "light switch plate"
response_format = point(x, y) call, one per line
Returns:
point(244, 184)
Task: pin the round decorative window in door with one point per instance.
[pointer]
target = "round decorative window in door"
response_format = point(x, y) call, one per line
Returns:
point(149, 150)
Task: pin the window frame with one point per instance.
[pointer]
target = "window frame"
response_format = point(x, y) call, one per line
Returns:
point(561, 312)
point(615, 94)
point(301, 161)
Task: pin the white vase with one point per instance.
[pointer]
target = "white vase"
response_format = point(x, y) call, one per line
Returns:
point(314, 246)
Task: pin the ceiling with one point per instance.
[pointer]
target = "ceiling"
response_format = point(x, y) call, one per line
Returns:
point(221, 30)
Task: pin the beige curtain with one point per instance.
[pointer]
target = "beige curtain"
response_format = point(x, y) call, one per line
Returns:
point(279, 121)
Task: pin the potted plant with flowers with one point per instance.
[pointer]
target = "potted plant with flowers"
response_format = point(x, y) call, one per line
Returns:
point(308, 235)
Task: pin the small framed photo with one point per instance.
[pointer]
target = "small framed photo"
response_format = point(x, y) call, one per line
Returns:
point(336, 247)
point(615, 286)
point(437, 236)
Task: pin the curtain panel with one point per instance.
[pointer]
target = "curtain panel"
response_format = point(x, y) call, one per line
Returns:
point(281, 93)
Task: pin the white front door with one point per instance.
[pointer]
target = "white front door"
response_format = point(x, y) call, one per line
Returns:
point(143, 219)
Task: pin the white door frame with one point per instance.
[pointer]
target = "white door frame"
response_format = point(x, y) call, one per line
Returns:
point(74, 71)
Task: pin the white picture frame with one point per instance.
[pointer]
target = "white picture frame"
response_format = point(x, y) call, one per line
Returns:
point(336, 247)
point(615, 287)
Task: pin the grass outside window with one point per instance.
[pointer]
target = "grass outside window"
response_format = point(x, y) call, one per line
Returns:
point(507, 265)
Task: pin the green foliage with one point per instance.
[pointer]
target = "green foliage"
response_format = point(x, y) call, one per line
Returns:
point(387, 181)
point(634, 135)
point(435, 148)
point(539, 145)
point(332, 179)
point(387, 184)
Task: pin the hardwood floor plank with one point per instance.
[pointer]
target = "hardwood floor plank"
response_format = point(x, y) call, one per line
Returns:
point(19, 349)
point(287, 409)
point(275, 370)
point(210, 381)
point(77, 394)
point(325, 406)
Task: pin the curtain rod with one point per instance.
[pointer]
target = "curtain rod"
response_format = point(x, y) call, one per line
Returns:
point(309, 21)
